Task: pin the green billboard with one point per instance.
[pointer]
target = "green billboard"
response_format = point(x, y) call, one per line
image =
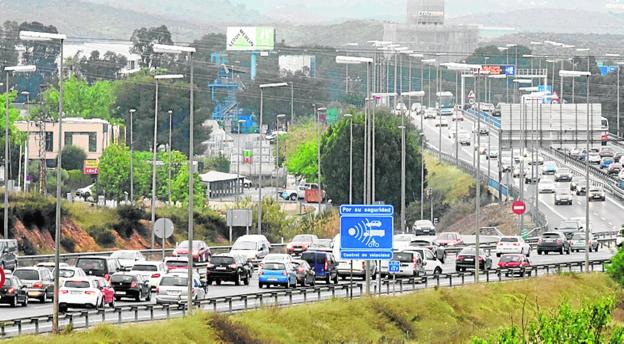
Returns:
point(250, 38)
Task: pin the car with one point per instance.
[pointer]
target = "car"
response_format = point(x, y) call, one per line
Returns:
point(577, 243)
point(449, 239)
point(505, 164)
point(575, 153)
point(400, 241)
point(411, 264)
point(614, 168)
point(514, 263)
point(575, 180)
point(497, 110)
point(492, 154)
point(594, 158)
point(300, 243)
point(252, 247)
point(50, 265)
point(563, 175)
point(276, 273)
point(173, 289)
point(13, 292)
point(618, 156)
point(98, 266)
point(563, 196)
point(573, 224)
point(81, 292)
point(85, 192)
point(432, 266)
point(8, 254)
point(464, 138)
point(324, 265)
point(605, 162)
point(70, 272)
point(549, 168)
point(546, 187)
point(581, 188)
point(443, 122)
point(423, 227)
point(127, 258)
point(534, 159)
point(417, 108)
point(466, 259)
point(528, 179)
point(277, 257)
point(322, 244)
point(357, 268)
point(606, 152)
point(247, 183)
point(482, 149)
point(305, 274)
point(39, 282)
point(227, 267)
point(130, 285)
point(483, 130)
point(487, 107)
point(553, 242)
point(458, 116)
point(438, 251)
point(108, 293)
point(200, 251)
point(512, 244)
point(152, 271)
point(517, 173)
point(597, 194)
point(430, 113)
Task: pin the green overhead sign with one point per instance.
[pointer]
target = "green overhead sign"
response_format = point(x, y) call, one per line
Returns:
point(250, 38)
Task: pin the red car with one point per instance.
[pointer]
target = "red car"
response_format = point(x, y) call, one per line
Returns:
point(107, 291)
point(300, 243)
point(201, 251)
point(449, 239)
point(518, 262)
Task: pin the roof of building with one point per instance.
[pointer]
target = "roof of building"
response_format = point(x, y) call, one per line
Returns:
point(216, 176)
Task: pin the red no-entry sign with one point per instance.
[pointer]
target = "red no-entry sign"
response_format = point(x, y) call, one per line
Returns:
point(2, 277)
point(518, 207)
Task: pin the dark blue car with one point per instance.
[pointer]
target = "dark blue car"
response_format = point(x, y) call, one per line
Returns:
point(324, 265)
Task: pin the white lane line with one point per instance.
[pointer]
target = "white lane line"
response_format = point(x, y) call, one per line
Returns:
point(553, 210)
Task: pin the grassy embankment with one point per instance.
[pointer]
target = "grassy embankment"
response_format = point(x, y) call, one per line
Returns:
point(434, 316)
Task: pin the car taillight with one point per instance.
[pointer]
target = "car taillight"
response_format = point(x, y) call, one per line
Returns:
point(155, 275)
point(133, 284)
point(107, 277)
point(233, 266)
point(540, 241)
point(157, 290)
point(11, 291)
point(516, 244)
point(460, 257)
point(38, 285)
point(559, 242)
point(64, 291)
point(414, 262)
point(89, 292)
point(326, 267)
point(285, 273)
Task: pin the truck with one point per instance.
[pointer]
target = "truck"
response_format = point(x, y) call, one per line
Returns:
point(445, 103)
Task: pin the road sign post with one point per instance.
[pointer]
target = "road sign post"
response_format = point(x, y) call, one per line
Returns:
point(394, 266)
point(518, 207)
point(163, 228)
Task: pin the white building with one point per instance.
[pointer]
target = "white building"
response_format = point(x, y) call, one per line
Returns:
point(70, 49)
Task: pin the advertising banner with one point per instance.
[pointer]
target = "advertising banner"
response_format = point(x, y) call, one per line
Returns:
point(250, 38)
point(90, 167)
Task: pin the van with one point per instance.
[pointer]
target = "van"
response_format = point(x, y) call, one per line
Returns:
point(411, 264)
point(8, 254)
point(99, 266)
point(254, 247)
point(323, 263)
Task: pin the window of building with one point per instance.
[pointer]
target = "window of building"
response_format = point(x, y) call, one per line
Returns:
point(69, 138)
point(49, 141)
point(92, 142)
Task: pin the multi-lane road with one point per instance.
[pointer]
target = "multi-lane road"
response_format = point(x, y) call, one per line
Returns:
point(604, 216)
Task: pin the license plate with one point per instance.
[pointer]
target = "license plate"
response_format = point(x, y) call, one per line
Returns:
point(76, 292)
point(469, 259)
point(175, 293)
point(221, 267)
point(272, 279)
point(120, 292)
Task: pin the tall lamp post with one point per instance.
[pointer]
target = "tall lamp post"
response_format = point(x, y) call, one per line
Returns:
point(25, 176)
point(279, 118)
point(157, 78)
point(8, 70)
point(587, 75)
point(170, 113)
point(618, 132)
point(350, 117)
point(132, 111)
point(262, 88)
point(54, 37)
point(238, 158)
point(177, 50)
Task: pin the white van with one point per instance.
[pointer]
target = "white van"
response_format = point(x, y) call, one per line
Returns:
point(254, 247)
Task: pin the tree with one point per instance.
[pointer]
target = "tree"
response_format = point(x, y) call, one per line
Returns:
point(143, 41)
point(106, 67)
point(82, 100)
point(217, 163)
point(335, 160)
point(180, 188)
point(114, 171)
point(73, 157)
point(42, 54)
point(304, 161)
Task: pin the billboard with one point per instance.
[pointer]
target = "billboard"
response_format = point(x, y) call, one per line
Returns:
point(499, 69)
point(306, 64)
point(90, 167)
point(250, 38)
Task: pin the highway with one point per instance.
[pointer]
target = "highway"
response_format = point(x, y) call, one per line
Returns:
point(604, 216)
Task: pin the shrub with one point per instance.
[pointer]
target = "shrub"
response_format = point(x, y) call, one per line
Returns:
point(68, 244)
point(101, 235)
point(72, 157)
point(76, 179)
point(128, 221)
point(26, 246)
point(616, 268)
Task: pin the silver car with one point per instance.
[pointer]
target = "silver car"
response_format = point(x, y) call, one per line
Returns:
point(173, 289)
point(578, 242)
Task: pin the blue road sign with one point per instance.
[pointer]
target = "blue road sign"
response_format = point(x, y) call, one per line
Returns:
point(509, 69)
point(366, 232)
point(394, 266)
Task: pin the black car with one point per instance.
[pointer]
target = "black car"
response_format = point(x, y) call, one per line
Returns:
point(466, 259)
point(130, 285)
point(8, 254)
point(13, 292)
point(553, 242)
point(226, 267)
point(305, 274)
point(98, 266)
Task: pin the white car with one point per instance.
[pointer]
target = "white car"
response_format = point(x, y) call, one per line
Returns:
point(401, 241)
point(512, 244)
point(173, 289)
point(85, 192)
point(359, 269)
point(443, 122)
point(252, 247)
point(457, 116)
point(432, 265)
point(547, 187)
point(80, 293)
point(127, 258)
point(152, 271)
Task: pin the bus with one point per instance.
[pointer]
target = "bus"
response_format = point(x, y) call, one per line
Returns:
point(445, 103)
point(604, 127)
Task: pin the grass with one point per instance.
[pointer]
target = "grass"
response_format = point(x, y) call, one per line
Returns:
point(433, 316)
point(449, 180)
point(87, 216)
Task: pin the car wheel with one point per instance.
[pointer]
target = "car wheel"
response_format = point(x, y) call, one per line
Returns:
point(303, 282)
point(218, 282)
point(293, 197)
point(336, 279)
point(437, 271)
point(343, 277)
point(209, 281)
point(138, 297)
point(246, 281)
point(458, 269)
point(44, 298)
point(260, 285)
point(148, 298)
point(25, 303)
point(561, 250)
point(568, 251)
point(62, 308)
point(112, 304)
point(117, 298)
point(237, 280)
point(498, 254)
point(328, 279)
point(13, 302)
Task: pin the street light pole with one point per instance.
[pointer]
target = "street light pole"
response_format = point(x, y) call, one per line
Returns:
point(132, 111)
point(350, 117)
point(402, 127)
point(170, 112)
point(278, 120)
point(238, 158)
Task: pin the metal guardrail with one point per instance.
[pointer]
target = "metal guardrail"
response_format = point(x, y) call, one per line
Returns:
point(277, 298)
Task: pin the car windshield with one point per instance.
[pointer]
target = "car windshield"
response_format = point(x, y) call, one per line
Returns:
point(303, 238)
point(551, 235)
point(403, 237)
point(403, 257)
point(322, 243)
point(470, 251)
point(509, 239)
point(222, 260)
point(274, 266)
point(91, 264)
point(8, 282)
point(173, 281)
point(176, 263)
point(66, 273)
point(123, 255)
point(77, 284)
point(447, 236)
point(144, 267)
point(196, 244)
point(121, 278)
point(27, 274)
point(245, 245)
point(511, 258)
point(578, 236)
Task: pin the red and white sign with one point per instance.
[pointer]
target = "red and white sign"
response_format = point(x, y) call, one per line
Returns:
point(2, 277)
point(518, 207)
point(555, 98)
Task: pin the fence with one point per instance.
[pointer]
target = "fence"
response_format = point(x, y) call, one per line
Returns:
point(278, 298)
